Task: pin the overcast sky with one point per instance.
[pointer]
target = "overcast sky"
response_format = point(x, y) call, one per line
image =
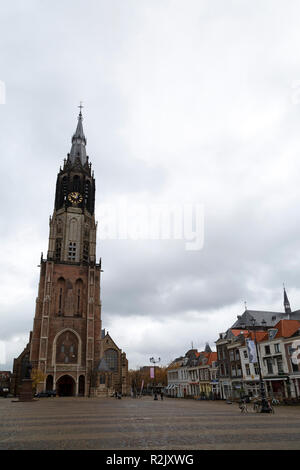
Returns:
point(184, 102)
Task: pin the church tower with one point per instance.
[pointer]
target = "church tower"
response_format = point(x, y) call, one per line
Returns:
point(67, 344)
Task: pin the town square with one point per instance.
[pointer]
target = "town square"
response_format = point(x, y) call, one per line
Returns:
point(144, 424)
point(149, 227)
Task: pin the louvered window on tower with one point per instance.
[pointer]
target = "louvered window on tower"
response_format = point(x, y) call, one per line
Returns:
point(76, 183)
point(87, 191)
point(64, 187)
point(72, 251)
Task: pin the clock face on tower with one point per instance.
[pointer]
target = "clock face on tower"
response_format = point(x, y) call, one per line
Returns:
point(75, 198)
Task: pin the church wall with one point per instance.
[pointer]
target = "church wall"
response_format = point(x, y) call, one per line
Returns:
point(68, 301)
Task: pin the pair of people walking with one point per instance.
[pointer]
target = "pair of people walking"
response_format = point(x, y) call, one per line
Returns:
point(161, 396)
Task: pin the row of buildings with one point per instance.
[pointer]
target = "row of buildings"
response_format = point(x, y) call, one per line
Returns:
point(260, 344)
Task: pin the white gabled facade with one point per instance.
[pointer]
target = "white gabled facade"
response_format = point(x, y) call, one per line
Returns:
point(178, 385)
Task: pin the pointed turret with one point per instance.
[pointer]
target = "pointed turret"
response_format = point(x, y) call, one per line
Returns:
point(286, 303)
point(78, 143)
point(207, 348)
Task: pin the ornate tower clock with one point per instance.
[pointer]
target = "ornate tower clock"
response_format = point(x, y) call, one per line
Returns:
point(67, 343)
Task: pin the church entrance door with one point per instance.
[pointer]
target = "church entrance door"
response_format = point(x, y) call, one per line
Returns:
point(65, 386)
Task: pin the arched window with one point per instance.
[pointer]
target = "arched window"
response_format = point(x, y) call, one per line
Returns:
point(76, 183)
point(74, 229)
point(67, 348)
point(59, 226)
point(111, 358)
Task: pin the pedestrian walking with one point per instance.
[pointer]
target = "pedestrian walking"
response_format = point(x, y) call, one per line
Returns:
point(243, 406)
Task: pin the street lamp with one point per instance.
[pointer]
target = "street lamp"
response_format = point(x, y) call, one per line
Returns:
point(154, 361)
point(265, 408)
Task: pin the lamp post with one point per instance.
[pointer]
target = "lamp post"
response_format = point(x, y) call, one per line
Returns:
point(265, 408)
point(154, 361)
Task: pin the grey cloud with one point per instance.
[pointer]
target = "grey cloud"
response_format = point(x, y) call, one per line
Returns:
point(181, 103)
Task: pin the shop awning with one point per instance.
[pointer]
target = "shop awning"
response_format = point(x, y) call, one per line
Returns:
point(172, 386)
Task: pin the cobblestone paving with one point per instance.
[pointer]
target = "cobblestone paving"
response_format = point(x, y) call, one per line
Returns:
point(83, 423)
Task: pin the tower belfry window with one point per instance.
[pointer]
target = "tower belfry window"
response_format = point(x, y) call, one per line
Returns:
point(76, 183)
point(65, 187)
point(87, 194)
point(72, 251)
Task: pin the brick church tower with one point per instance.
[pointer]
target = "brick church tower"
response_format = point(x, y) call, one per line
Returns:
point(67, 342)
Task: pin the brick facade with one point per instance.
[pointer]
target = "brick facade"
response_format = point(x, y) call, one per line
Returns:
point(67, 342)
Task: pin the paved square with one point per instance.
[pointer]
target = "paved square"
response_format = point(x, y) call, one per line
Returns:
point(111, 424)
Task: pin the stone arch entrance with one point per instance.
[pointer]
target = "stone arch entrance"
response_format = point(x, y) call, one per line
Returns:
point(65, 386)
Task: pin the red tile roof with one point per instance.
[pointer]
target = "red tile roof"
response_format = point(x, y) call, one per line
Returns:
point(286, 328)
point(212, 357)
point(238, 332)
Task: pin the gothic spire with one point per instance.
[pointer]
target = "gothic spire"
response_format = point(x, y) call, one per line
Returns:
point(78, 142)
point(286, 302)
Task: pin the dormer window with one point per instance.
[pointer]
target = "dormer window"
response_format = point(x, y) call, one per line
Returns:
point(272, 333)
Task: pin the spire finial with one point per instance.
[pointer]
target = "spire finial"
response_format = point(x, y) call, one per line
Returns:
point(245, 302)
point(286, 303)
point(80, 107)
point(78, 149)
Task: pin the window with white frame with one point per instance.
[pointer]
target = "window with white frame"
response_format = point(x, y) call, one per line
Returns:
point(277, 347)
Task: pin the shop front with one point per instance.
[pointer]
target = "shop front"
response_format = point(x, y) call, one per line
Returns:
point(252, 388)
point(277, 388)
point(225, 388)
point(295, 386)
